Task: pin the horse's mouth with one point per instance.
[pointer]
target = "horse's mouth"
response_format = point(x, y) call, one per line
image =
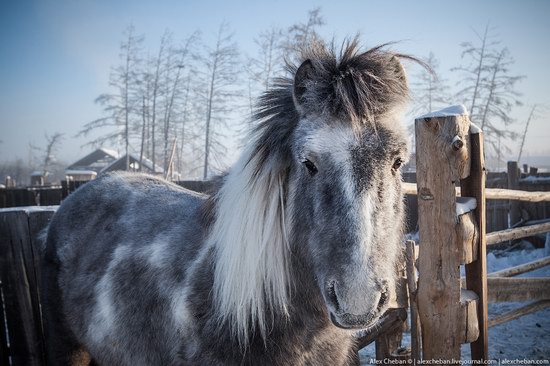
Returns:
point(353, 322)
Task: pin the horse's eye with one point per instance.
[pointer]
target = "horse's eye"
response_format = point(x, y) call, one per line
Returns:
point(311, 168)
point(397, 163)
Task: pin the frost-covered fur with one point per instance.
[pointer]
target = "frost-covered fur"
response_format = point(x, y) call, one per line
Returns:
point(296, 248)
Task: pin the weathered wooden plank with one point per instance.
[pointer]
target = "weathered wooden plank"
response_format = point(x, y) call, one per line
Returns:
point(19, 283)
point(495, 193)
point(476, 272)
point(392, 319)
point(519, 312)
point(389, 343)
point(412, 278)
point(467, 237)
point(513, 183)
point(522, 268)
point(506, 289)
point(517, 233)
point(513, 194)
point(4, 350)
point(440, 164)
point(469, 324)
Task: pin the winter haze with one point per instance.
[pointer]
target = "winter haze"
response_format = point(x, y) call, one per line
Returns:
point(57, 56)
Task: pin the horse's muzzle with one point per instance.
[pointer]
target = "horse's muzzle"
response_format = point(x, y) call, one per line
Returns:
point(345, 320)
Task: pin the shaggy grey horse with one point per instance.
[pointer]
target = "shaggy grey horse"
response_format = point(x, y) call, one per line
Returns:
point(293, 251)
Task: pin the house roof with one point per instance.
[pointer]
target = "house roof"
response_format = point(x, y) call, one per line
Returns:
point(120, 164)
point(96, 160)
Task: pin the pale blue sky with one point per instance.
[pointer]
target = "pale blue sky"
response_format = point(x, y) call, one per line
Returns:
point(55, 56)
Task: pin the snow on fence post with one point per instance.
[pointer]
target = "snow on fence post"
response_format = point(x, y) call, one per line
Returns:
point(449, 233)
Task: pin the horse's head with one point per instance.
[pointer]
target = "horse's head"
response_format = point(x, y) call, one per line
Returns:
point(344, 188)
point(320, 178)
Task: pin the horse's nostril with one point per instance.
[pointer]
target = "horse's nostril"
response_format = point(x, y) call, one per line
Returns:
point(331, 294)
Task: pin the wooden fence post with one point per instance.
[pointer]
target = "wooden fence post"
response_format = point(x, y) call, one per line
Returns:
point(20, 277)
point(476, 271)
point(513, 183)
point(443, 157)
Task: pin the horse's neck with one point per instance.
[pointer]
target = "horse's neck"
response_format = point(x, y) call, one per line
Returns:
point(307, 319)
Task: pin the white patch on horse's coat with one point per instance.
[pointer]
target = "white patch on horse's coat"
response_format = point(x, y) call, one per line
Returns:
point(104, 313)
point(156, 252)
point(251, 246)
point(104, 317)
point(336, 141)
point(179, 308)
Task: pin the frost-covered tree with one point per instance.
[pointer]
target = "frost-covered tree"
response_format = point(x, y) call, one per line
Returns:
point(44, 158)
point(266, 64)
point(18, 171)
point(178, 73)
point(52, 146)
point(151, 94)
point(275, 46)
point(219, 92)
point(121, 105)
point(301, 34)
point(535, 113)
point(429, 90)
point(488, 88)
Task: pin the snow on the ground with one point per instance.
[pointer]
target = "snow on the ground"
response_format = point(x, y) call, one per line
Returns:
point(533, 178)
point(527, 337)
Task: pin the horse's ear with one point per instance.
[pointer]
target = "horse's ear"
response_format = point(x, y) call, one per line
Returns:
point(303, 74)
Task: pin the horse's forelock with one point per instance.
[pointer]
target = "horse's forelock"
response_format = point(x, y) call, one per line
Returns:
point(354, 86)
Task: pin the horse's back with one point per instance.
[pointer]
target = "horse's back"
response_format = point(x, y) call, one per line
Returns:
point(120, 246)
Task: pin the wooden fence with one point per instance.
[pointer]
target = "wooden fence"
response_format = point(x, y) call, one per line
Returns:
point(497, 211)
point(53, 195)
point(22, 342)
point(21, 333)
point(447, 310)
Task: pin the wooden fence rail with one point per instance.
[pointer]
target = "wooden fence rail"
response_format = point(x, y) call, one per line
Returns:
point(517, 233)
point(495, 194)
point(522, 268)
point(519, 312)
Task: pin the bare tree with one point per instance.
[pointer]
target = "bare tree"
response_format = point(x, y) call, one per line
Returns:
point(267, 63)
point(121, 105)
point(177, 81)
point(44, 158)
point(274, 46)
point(301, 34)
point(219, 80)
point(52, 146)
point(474, 72)
point(488, 88)
point(17, 170)
point(429, 90)
point(533, 114)
point(155, 73)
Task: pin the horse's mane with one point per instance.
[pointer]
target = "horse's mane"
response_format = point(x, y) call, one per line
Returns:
point(249, 225)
